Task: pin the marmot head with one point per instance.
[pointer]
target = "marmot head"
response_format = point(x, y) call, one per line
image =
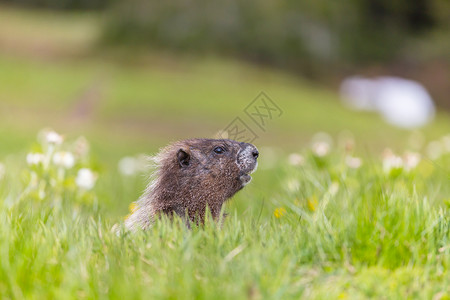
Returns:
point(207, 167)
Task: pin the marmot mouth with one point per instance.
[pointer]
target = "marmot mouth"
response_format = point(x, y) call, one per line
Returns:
point(245, 179)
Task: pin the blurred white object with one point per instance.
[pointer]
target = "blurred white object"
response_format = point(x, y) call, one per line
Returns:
point(85, 179)
point(358, 93)
point(296, 159)
point(128, 166)
point(35, 158)
point(292, 185)
point(64, 159)
point(411, 160)
point(391, 161)
point(403, 103)
point(321, 144)
point(320, 149)
point(53, 137)
point(353, 162)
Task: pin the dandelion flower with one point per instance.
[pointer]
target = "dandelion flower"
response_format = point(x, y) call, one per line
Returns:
point(296, 159)
point(64, 159)
point(85, 179)
point(279, 212)
point(312, 203)
point(35, 158)
point(353, 162)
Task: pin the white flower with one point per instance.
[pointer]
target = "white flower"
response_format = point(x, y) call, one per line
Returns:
point(334, 188)
point(353, 162)
point(293, 185)
point(2, 171)
point(321, 144)
point(321, 149)
point(85, 179)
point(64, 159)
point(53, 138)
point(296, 159)
point(392, 162)
point(128, 166)
point(411, 160)
point(434, 149)
point(35, 158)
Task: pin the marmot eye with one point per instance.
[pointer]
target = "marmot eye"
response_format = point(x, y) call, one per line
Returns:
point(219, 150)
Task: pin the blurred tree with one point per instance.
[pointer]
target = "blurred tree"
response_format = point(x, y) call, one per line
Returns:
point(301, 34)
point(63, 4)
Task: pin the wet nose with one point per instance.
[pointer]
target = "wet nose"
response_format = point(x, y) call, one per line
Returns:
point(255, 153)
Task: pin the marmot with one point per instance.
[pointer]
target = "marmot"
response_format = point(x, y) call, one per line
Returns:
point(191, 175)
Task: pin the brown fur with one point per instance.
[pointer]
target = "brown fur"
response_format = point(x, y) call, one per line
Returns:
point(191, 176)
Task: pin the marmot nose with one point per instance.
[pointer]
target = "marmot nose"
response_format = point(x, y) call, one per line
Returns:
point(255, 154)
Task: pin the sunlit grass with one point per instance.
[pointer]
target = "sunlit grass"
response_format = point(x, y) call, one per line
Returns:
point(316, 228)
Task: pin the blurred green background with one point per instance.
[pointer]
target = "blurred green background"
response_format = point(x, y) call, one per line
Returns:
point(131, 76)
point(135, 75)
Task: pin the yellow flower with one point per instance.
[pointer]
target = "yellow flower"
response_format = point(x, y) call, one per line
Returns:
point(279, 212)
point(133, 207)
point(312, 203)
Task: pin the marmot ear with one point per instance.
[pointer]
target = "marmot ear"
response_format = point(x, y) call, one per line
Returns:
point(183, 158)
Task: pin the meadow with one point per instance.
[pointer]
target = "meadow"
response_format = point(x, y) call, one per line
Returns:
point(343, 206)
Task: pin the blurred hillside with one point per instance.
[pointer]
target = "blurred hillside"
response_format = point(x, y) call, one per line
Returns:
point(54, 73)
point(320, 40)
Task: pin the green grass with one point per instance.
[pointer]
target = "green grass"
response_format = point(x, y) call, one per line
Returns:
point(342, 233)
point(345, 233)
